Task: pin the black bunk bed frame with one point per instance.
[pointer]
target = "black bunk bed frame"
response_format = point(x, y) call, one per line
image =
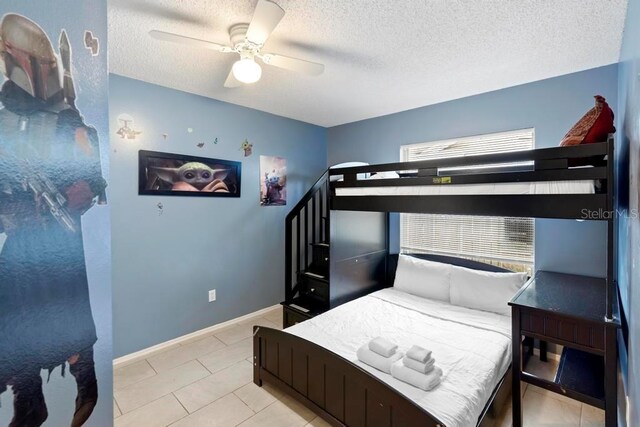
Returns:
point(341, 392)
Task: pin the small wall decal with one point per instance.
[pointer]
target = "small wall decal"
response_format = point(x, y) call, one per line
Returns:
point(127, 130)
point(92, 43)
point(273, 181)
point(165, 136)
point(215, 141)
point(200, 144)
point(190, 130)
point(247, 147)
point(160, 208)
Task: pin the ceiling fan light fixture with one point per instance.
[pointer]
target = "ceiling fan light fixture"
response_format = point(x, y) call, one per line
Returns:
point(247, 70)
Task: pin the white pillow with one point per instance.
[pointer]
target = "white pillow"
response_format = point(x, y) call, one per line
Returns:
point(423, 278)
point(484, 290)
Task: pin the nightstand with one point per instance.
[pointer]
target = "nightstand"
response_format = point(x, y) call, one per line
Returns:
point(568, 310)
point(298, 310)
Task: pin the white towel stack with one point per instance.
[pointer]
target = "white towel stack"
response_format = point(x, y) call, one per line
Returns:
point(418, 369)
point(379, 353)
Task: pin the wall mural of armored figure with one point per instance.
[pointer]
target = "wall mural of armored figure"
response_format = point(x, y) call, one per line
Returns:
point(50, 176)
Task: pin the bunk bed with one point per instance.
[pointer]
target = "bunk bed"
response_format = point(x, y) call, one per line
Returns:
point(565, 182)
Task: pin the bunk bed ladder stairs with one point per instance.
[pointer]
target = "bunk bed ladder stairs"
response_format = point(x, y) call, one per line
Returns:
point(307, 249)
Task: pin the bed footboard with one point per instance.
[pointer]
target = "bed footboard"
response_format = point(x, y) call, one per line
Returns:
point(339, 391)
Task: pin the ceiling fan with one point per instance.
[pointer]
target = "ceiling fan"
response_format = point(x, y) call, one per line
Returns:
point(247, 41)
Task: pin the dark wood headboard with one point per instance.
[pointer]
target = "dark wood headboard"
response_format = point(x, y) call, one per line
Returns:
point(392, 264)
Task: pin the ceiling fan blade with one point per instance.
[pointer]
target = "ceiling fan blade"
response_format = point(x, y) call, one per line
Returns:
point(232, 81)
point(293, 64)
point(265, 19)
point(189, 41)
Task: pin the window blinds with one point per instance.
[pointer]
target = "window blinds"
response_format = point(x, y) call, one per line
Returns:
point(506, 242)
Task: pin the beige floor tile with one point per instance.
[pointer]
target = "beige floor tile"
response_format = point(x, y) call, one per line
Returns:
point(228, 356)
point(274, 316)
point(213, 387)
point(185, 353)
point(541, 410)
point(591, 417)
point(226, 411)
point(150, 389)
point(276, 415)
point(318, 422)
point(116, 410)
point(234, 334)
point(160, 413)
point(546, 370)
point(130, 374)
point(553, 395)
point(257, 398)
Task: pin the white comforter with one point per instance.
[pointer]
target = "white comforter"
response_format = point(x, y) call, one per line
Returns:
point(472, 347)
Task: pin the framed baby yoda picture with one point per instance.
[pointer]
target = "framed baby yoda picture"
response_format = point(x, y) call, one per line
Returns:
point(166, 174)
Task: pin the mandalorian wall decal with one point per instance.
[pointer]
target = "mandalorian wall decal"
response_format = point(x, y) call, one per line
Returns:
point(50, 176)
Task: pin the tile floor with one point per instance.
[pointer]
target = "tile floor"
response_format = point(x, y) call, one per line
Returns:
point(208, 382)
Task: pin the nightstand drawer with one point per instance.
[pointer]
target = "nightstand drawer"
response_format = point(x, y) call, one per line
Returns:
point(291, 317)
point(315, 288)
point(566, 330)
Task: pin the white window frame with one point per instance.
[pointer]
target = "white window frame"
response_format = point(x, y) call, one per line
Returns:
point(494, 139)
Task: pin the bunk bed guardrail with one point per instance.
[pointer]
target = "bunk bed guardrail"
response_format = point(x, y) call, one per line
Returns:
point(548, 164)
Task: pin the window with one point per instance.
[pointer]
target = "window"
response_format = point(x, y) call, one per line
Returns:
point(501, 241)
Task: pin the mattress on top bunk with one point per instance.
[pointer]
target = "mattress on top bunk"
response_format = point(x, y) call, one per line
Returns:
point(541, 187)
point(472, 347)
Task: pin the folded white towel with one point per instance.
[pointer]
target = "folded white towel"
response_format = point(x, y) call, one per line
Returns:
point(382, 346)
point(423, 368)
point(419, 353)
point(425, 382)
point(375, 360)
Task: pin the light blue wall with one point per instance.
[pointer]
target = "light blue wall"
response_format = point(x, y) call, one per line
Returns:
point(90, 74)
point(163, 265)
point(629, 226)
point(551, 106)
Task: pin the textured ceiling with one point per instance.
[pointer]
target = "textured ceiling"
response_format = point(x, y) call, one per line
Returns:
point(381, 56)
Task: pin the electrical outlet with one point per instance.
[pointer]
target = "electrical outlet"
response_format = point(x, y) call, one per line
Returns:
point(212, 295)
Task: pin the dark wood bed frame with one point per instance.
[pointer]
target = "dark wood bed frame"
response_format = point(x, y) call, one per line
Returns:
point(339, 391)
point(344, 394)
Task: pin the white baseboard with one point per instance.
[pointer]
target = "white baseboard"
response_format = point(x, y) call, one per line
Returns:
point(149, 351)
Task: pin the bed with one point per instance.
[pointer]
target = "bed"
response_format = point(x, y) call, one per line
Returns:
point(316, 361)
point(558, 182)
point(548, 187)
point(473, 363)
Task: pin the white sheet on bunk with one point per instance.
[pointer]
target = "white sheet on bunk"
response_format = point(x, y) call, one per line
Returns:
point(543, 187)
point(472, 347)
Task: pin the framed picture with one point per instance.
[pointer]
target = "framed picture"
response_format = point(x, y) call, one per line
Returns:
point(273, 181)
point(166, 174)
